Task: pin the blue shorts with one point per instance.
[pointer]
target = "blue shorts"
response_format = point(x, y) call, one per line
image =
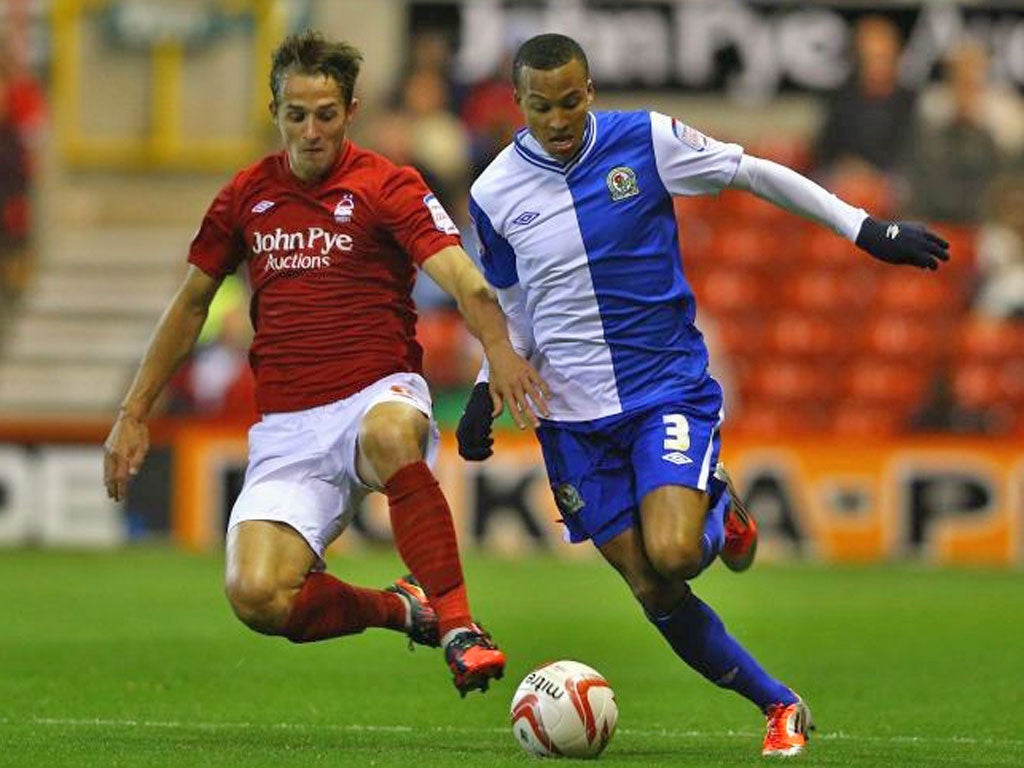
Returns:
point(600, 470)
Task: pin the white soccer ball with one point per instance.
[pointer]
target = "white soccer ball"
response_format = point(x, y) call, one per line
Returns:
point(564, 709)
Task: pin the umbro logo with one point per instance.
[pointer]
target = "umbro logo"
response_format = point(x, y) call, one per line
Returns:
point(677, 458)
point(524, 218)
point(892, 231)
point(263, 205)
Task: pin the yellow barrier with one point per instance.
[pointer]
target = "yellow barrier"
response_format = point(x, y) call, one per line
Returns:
point(163, 145)
point(943, 501)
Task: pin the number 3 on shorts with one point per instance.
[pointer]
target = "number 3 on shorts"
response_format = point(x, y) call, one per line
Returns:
point(677, 432)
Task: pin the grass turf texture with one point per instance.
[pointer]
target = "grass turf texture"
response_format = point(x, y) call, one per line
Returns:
point(134, 659)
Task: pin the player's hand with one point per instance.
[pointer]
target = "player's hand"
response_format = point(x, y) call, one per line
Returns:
point(123, 453)
point(515, 382)
point(474, 430)
point(902, 242)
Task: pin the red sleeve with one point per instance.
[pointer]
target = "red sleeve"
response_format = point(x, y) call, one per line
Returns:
point(414, 216)
point(217, 248)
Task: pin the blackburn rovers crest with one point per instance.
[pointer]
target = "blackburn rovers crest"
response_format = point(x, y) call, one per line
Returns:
point(622, 182)
point(568, 499)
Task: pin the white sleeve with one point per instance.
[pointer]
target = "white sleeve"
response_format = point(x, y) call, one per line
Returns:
point(788, 189)
point(689, 162)
point(513, 304)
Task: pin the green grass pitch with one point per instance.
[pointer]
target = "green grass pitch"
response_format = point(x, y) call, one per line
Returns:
point(133, 659)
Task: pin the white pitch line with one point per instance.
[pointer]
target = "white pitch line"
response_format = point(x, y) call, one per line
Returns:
point(358, 728)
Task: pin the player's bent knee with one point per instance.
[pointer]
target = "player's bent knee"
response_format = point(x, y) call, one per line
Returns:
point(258, 602)
point(679, 562)
point(391, 444)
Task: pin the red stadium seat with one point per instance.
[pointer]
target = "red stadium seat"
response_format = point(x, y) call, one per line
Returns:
point(789, 382)
point(885, 384)
point(725, 291)
point(903, 339)
point(449, 359)
point(984, 339)
point(800, 335)
point(823, 290)
point(822, 246)
point(917, 292)
point(771, 420)
point(854, 418)
point(747, 247)
point(742, 336)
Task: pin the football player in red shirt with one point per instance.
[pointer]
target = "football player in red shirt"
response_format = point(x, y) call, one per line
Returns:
point(330, 235)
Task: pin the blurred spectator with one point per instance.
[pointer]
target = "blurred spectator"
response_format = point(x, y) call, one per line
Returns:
point(24, 98)
point(955, 157)
point(430, 50)
point(865, 126)
point(439, 140)
point(491, 115)
point(14, 201)
point(217, 381)
point(943, 411)
point(1000, 257)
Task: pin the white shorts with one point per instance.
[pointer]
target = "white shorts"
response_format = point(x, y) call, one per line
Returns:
point(302, 464)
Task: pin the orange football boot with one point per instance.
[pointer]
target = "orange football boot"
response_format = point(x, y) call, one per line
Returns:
point(740, 529)
point(788, 725)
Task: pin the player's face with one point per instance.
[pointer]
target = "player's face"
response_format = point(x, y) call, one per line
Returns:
point(554, 103)
point(313, 119)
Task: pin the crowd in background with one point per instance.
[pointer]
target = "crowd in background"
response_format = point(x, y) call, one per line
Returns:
point(22, 118)
point(950, 154)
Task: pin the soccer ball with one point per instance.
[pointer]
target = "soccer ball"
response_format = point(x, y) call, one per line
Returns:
point(564, 709)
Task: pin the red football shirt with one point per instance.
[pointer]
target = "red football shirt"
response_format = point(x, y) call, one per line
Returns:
point(331, 265)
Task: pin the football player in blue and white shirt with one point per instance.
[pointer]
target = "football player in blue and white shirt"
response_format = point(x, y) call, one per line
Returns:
point(578, 236)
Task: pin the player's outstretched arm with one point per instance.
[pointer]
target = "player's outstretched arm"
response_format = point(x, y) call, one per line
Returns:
point(895, 242)
point(513, 380)
point(175, 336)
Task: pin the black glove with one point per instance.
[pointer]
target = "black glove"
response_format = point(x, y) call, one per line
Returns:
point(474, 430)
point(902, 242)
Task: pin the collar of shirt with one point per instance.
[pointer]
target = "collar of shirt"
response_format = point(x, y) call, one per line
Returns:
point(533, 152)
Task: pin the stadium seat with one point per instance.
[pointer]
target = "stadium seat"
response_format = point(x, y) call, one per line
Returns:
point(725, 291)
point(741, 336)
point(798, 335)
point(885, 384)
point(823, 290)
point(985, 339)
point(766, 420)
point(859, 419)
point(448, 360)
point(917, 292)
point(744, 247)
point(794, 383)
point(818, 245)
point(904, 339)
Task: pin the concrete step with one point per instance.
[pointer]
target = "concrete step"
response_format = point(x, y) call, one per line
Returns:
point(105, 295)
point(160, 249)
point(54, 338)
point(60, 387)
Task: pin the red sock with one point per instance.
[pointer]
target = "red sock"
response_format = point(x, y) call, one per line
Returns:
point(326, 607)
point(425, 538)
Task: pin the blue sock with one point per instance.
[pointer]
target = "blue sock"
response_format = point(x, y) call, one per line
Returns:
point(713, 537)
point(699, 638)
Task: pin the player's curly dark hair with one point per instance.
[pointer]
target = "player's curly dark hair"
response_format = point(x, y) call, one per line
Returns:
point(548, 51)
point(310, 53)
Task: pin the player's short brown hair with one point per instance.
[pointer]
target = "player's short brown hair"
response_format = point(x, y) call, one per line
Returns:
point(310, 53)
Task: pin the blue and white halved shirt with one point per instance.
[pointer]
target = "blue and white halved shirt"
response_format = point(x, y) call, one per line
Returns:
point(591, 250)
